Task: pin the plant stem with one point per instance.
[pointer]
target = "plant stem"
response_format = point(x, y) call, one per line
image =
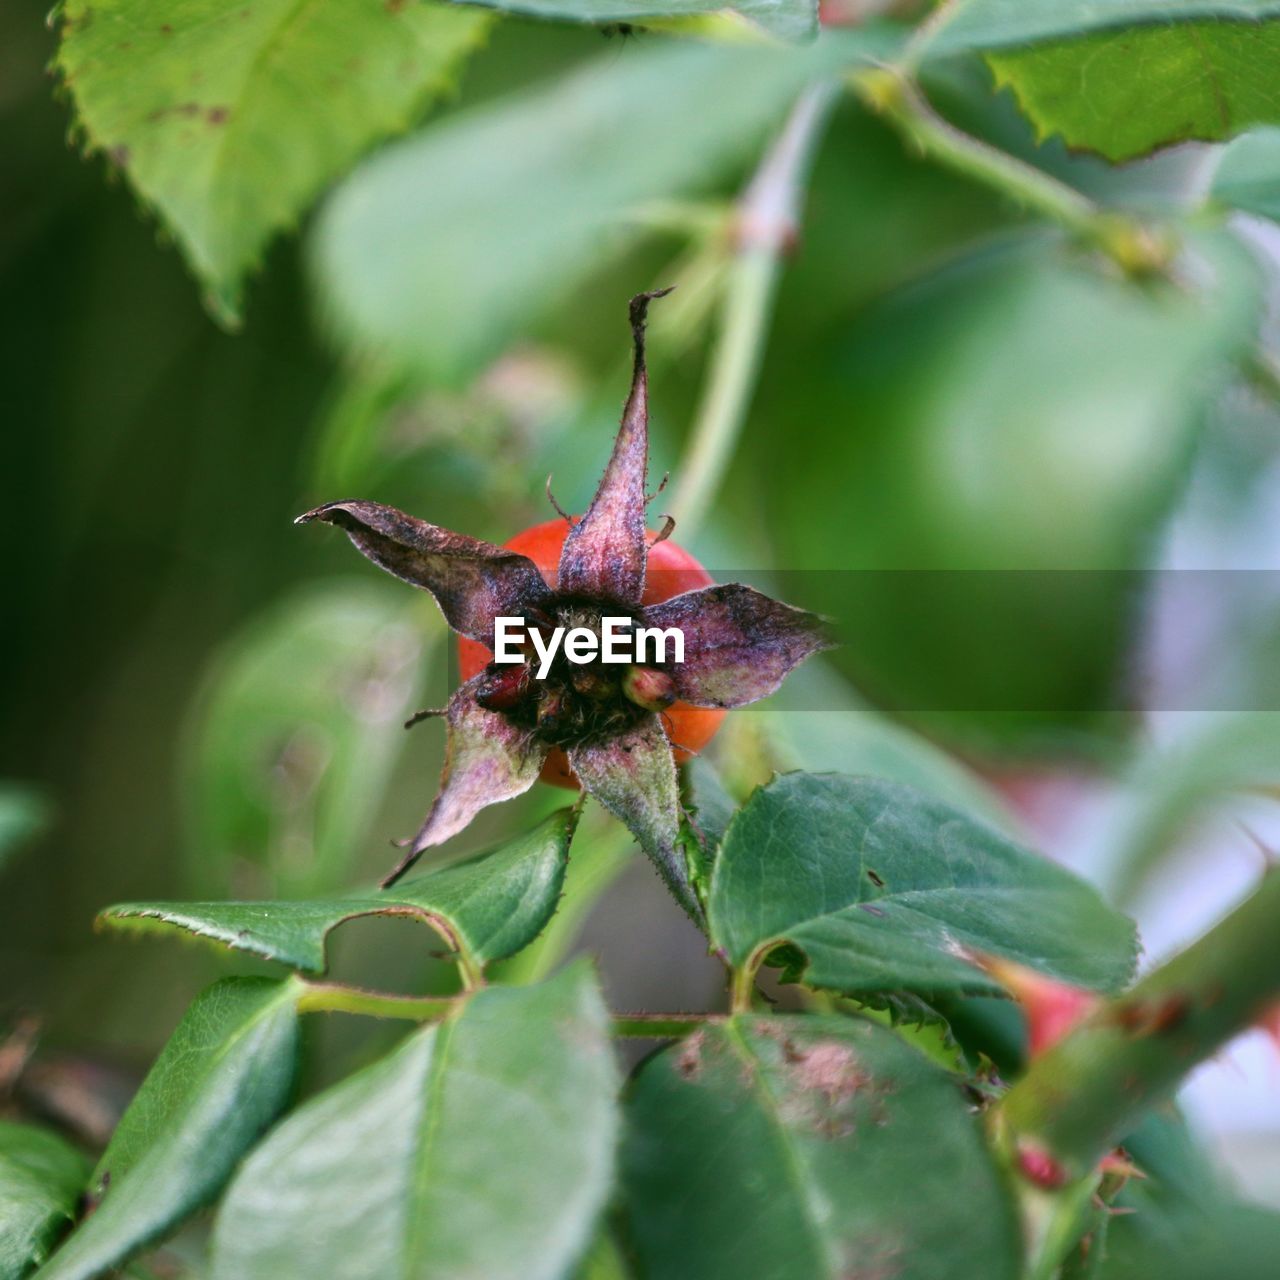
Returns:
point(766, 223)
point(659, 1026)
point(334, 997)
point(892, 94)
point(1082, 1096)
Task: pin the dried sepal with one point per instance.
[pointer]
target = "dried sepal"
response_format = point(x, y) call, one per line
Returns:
point(487, 760)
point(605, 553)
point(634, 776)
point(472, 581)
point(739, 645)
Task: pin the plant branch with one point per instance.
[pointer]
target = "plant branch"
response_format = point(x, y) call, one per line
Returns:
point(766, 223)
point(1082, 1096)
point(893, 95)
point(335, 997)
point(660, 1026)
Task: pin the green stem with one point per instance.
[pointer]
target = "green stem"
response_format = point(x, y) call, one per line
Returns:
point(766, 222)
point(894, 95)
point(1082, 1096)
point(659, 1026)
point(334, 997)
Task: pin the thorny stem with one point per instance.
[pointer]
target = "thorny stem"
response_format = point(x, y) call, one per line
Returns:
point(765, 228)
point(1082, 1096)
point(335, 997)
point(891, 93)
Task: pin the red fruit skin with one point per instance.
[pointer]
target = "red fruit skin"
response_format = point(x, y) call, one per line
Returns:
point(672, 571)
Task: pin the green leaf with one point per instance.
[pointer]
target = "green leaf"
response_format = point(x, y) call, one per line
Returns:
point(441, 248)
point(787, 19)
point(224, 1076)
point(1067, 406)
point(487, 907)
point(885, 889)
point(481, 1147)
point(999, 24)
point(230, 119)
point(298, 728)
point(24, 813)
point(810, 1148)
point(1248, 174)
point(1125, 93)
point(41, 1178)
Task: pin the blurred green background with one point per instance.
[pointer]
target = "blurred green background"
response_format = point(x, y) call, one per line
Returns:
point(206, 700)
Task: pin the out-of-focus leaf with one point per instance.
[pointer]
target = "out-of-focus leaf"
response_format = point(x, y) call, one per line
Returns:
point(24, 812)
point(804, 1148)
point(229, 120)
point(884, 889)
point(1248, 174)
point(1237, 1240)
point(488, 907)
point(41, 1178)
point(1125, 93)
point(481, 1147)
point(1169, 788)
point(789, 19)
point(442, 247)
point(998, 447)
point(295, 738)
point(998, 24)
point(224, 1076)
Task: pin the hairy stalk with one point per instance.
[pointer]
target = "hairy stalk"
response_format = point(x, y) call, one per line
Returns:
point(1082, 1096)
point(766, 222)
point(335, 997)
point(892, 94)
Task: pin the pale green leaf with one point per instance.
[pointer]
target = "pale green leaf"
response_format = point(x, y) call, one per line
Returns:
point(487, 907)
point(806, 1148)
point(787, 19)
point(24, 813)
point(230, 118)
point(884, 889)
point(224, 1076)
point(41, 1178)
point(295, 736)
point(1248, 174)
point(442, 248)
point(999, 24)
point(481, 1147)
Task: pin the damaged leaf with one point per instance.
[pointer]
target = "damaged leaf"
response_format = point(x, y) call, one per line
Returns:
point(884, 889)
point(808, 1148)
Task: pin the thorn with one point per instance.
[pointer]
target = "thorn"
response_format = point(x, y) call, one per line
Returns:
point(428, 713)
point(551, 498)
point(668, 528)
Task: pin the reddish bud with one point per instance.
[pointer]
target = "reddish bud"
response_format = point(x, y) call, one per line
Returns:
point(1039, 1167)
point(1052, 1008)
point(649, 688)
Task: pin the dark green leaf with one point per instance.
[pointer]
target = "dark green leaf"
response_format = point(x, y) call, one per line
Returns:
point(1125, 93)
point(296, 736)
point(481, 1147)
point(885, 889)
point(224, 1076)
point(441, 248)
point(24, 812)
point(230, 119)
point(789, 19)
point(804, 1148)
point(41, 1178)
point(1248, 175)
point(487, 907)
